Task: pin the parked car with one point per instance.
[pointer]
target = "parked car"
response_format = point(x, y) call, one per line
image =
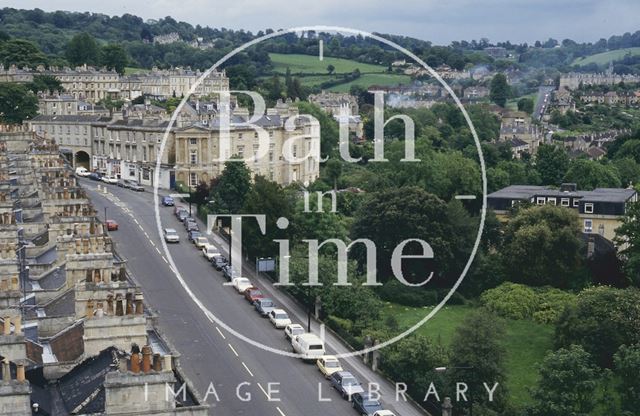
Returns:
point(252, 294)
point(200, 242)
point(328, 365)
point(177, 209)
point(95, 176)
point(384, 413)
point(111, 225)
point(264, 306)
point(346, 384)
point(279, 318)
point(210, 251)
point(82, 172)
point(292, 330)
point(123, 183)
point(182, 215)
point(171, 235)
point(192, 226)
point(241, 284)
point(110, 179)
point(168, 201)
point(192, 235)
point(219, 262)
point(135, 186)
point(365, 404)
point(310, 346)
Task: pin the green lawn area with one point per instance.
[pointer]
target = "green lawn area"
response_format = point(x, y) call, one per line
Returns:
point(605, 57)
point(512, 103)
point(128, 70)
point(312, 64)
point(526, 342)
point(373, 79)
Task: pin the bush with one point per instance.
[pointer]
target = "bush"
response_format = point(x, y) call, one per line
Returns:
point(396, 292)
point(551, 304)
point(511, 300)
point(343, 328)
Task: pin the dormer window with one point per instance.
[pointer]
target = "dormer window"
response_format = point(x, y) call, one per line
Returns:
point(588, 208)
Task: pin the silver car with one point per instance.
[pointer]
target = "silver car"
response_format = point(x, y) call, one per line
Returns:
point(171, 235)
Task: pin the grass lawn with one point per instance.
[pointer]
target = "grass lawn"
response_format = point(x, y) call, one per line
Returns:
point(128, 70)
point(526, 342)
point(512, 103)
point(605, 57)
point(312, 64)
point(367, 80)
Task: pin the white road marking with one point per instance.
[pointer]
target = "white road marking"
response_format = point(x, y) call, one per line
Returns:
point(217, 329)
point(247, 368)
point(158, 251)
point(233, 349)
point(152, 243)
point(280, 411)
point(263, 390)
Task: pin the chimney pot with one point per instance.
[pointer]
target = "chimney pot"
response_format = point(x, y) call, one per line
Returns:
point(139, 304)
point(6, 371)
point(17, 325)
point(7, 325)
point(157, 362)
point(168, 363)
point(146, 358)
point(135, 362)
point(20, 372)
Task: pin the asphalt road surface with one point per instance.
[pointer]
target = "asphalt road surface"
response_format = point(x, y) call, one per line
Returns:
point(211, 357)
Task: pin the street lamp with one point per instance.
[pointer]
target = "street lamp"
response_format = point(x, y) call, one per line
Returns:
point(189, 183)
point(471, 369)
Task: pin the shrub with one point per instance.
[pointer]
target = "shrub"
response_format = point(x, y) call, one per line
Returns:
point(396, 292)
point(511, 300)
point(551, 304)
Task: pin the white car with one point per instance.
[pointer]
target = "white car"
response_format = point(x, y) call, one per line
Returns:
point(171, 235)
point(292, 330)
point(241, 284)
point(81, 171)
point(384, 413)
point(309, 346)
point(279, 318)
point(201, 242)
point(110, 179)
point(210, 251)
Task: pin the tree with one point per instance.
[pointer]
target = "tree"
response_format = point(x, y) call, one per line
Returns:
point(333, 170)
point(83, 49)
point(269, 199)
point(628, 171)
point(567, 385)
point(331, 69)
point(499, 90)
point(601, 320)
point(45, 83)
point(477, 345)
point(589, 174)
point(230, 193)
point(21, 53)
point(542, 246)
point(17, 103)
point(393, 215)
point(114, 57)
point(525, 104)
point(627, 368)
point(628, 238)
point(552, 163)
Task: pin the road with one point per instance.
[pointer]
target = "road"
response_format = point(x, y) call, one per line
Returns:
point(542, 101)
point(208, 353)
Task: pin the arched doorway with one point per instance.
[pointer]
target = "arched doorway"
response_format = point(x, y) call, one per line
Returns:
point(81, 159)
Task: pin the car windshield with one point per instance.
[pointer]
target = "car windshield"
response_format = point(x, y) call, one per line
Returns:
point(256, 293)
point(266, 303)
point(331, 364)
point(297, 330)
point(281, 316)
point(211, 250)
point(349, 381)
point(196, 234)
point(171, 232)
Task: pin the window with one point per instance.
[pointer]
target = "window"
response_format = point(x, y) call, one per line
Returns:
point(295, 150)
point(240, 136)
point(588, 208)
point(540, 200)
point(193, 180)
point(240, 152)
point(588, 226)
point(576, 203)
point(192, 141)
point(144, 153)
point(551, 201)
point(564, 202)
point(193, 157)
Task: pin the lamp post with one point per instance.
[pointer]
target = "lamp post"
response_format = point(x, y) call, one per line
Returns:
point(471, 369)
point(189, 183)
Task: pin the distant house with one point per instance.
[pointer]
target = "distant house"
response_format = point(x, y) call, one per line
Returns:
point(518, 125)
point(600, 210)
point(476, 93)
point(596, 153)
point(518, 147)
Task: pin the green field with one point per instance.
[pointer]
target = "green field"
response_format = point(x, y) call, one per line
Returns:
point(128, 70)
point(526, 342)
point(300, 65)
point(605, 57)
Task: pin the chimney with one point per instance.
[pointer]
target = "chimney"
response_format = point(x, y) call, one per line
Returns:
point(17, 325)
point(20, 372)
point(139, 305)
point(6, 371)
point(119, 309)
point(135, 359)
point(7, 325)
point(168, 363)
point(129, 302)
point(146, 358)
point(89, 311)
point(157, 362)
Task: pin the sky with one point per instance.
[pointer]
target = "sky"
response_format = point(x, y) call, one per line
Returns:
point(438, 21)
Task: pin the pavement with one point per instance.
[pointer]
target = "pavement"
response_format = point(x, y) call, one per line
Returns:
point(221, 366)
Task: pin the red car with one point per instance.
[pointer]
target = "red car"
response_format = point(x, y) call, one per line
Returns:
point(111, 225)
point(252, 294)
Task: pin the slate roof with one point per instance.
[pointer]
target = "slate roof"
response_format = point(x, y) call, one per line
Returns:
point(526, 192)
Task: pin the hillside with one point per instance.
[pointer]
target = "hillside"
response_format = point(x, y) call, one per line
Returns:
point(604, 58)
